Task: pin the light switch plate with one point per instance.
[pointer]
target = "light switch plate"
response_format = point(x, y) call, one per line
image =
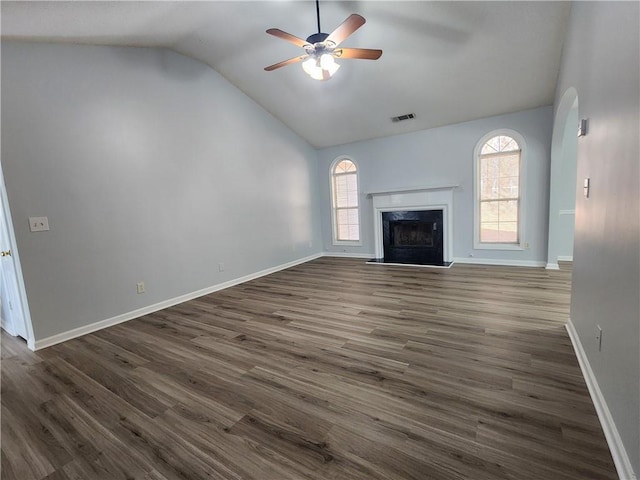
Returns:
point(38, 224)
point(586, 185)
point(583, 128)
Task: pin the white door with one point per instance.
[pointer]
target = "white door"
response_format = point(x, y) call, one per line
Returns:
point(12, 312)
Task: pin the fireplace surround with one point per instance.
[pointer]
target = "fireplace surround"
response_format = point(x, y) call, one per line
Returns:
point(432, 201)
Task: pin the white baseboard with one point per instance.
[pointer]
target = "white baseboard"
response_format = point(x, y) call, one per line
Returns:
point(494, 261)
point(368, 256)
point(618, 452)
point(478, 261)
point(561, 258)
point(93, 327)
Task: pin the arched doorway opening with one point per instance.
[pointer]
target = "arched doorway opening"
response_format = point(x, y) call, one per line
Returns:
point(562, 181)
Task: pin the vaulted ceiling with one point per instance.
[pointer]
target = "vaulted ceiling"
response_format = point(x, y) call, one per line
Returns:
point(446, 62)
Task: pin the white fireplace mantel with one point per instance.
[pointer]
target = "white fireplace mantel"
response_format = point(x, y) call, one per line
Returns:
point(435, 197)
point(412, 189)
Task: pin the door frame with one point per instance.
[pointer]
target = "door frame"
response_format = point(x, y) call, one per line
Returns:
point(22, 293)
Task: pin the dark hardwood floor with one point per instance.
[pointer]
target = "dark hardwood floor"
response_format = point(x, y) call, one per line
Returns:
point(329, 370)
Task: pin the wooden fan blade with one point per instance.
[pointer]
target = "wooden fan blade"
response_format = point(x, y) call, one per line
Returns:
point(365, 53)
point(276, 32)
point(346, 28)
point(286, 62)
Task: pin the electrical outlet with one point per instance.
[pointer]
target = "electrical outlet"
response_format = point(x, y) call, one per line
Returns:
point(599, 337)
point(221, 267)
point(140, 287)
point(526, 245)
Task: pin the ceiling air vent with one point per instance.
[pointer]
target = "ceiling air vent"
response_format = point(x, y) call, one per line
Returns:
point(406, 116)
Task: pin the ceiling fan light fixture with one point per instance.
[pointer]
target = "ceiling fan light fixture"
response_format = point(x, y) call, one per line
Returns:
point(333, 68)
point(321, 68)
point(309, 66)
point(326, 61)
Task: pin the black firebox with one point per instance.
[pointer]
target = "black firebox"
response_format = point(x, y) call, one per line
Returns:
point(413, 237)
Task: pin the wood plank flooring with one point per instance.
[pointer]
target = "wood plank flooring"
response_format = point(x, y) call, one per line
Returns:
point(329, 370)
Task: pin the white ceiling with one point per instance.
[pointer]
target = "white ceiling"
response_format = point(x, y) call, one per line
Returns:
point(447, 62)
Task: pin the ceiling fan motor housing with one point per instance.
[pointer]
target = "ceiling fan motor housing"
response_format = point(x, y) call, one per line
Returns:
point(317, 38)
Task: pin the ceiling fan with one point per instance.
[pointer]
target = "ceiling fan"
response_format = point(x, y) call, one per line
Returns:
point(321, 49)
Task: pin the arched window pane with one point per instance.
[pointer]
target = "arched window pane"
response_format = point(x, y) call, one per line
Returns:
point(346, 217)
point(499, 180)
point(499, 143)
point(345, 166)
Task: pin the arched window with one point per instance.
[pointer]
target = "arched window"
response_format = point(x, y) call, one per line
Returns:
point(498, 172)
point(344, 190)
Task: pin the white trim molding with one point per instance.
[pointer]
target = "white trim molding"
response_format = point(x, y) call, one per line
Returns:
point(93, 327)
point(561, 258)
point(388, 191)
point(368, 256)
point(618, 452)
point(500, 261)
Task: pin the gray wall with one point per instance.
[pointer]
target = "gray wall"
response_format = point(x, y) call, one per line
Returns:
point(151, 167)
point(601, 60)
point(443, 156)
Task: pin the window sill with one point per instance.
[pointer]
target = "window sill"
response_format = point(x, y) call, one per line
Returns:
point(351, 243)
point(498, 246)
